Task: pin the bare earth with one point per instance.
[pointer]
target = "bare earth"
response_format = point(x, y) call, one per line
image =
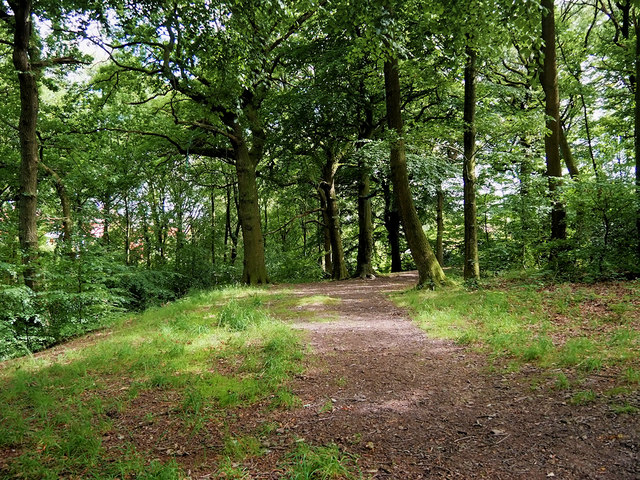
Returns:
point(413, 407)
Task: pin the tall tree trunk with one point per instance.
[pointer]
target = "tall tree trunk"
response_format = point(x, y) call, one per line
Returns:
point(326, 233)
point(127, 230)
point(233, 233)
point(339, 267)
point(247, 157)
point(637, 127)
point(213, 227)
point(227, 221)
point(180, 236)
point(147, 238)
point(429, 270)
point(440, 226)
point(254, 268)
point(106, 225)
point(549, 80)
point(525, 204)
point(365, 225)
point(392, 224)
point(29, 104)
point(471, 262)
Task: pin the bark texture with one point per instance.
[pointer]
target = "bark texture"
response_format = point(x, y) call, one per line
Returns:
point(471, 262)
point(440, 226)
point(637, 130)
point(549, 80)
point(392, 224)
point(429, 270)
point(254, 267)
point(29, 104)
point(365, 225)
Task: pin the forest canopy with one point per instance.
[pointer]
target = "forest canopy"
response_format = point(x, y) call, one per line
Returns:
point(149, 148)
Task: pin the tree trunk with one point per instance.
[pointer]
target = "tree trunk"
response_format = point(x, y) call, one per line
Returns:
point(567, 155)
point(365, 225)
point(326, 234)
point(147, 238)
point(429, 270)
point(227, 222)
point(233, 233)
point(440, 226)
point(392, 224)
point(213, 227)
point(127, 230)
point(471, 263)
point(254, 268)
point(637, 130)
point(106, 225)
point(29, 104)
point(549, 80)
point(65, 204)
point(180, 236)
point(339, 267)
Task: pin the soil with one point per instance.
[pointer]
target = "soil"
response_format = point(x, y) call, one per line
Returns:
point(406, 405)
point(413, 407)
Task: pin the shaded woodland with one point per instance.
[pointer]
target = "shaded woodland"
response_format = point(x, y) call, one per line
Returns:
point(150, 148)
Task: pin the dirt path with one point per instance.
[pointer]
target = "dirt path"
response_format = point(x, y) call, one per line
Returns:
point(412, 407)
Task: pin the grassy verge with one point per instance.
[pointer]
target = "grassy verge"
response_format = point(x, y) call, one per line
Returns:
point(157, 387)
point(568, 331)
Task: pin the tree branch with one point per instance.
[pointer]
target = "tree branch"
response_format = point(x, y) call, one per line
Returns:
point(58, 61)
point(302, 215)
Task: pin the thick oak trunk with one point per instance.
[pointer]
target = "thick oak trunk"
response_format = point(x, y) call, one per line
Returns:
point(29, 104)
point(254, 268)
point(471, 263)
point(429, 270)
point(549, 80)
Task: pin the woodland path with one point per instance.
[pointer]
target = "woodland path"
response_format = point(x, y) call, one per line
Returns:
point(414, 407)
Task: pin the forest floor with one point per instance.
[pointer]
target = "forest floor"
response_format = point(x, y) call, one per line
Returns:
point(412, 407)
point(375, 397)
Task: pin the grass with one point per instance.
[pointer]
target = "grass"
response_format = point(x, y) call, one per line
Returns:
point(206, 354)
point(321, 463)
point(576, 329)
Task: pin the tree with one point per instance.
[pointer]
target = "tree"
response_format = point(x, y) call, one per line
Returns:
point(429, 270)
point(225, 68)
point(471, 262)
point(549, 81)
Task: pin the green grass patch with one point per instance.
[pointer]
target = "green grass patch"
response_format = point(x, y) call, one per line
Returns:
point(574, 328)
point(308, 462)
point(208, 352)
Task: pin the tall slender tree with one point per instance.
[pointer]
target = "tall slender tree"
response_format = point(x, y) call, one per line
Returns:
point(471, 262)
point(429, 270)
point(549, 81)
point(22, 24)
